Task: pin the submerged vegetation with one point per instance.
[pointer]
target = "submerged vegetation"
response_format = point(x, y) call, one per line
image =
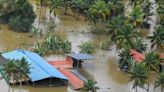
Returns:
point(18, 14)
point(86, 47)
point(53, 44)
point(17, 70)
point(90, 86)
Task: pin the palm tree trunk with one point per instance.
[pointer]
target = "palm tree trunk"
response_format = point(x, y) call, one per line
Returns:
point(130, 42)
point(148, 87)
point(39, 19)
point(9, 89)
point(162, 88)
point(20, 86)
point(9, 82)
point(45, 10)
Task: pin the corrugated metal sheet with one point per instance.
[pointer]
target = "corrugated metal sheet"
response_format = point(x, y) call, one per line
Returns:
point(81, 56)
point(40, 68)
point(75, 82)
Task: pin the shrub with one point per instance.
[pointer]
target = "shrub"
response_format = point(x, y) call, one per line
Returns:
point(18, 14)
point(86, 47)
point(53, 44)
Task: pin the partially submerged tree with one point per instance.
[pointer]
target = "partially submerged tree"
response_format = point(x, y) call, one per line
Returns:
point(17, 70)
point(152, 62)
point(157, 39)
point(160, 81)
point(90, 86)
point(138, 74)
point(86, 47)
point(126, 36)
point(18, 14)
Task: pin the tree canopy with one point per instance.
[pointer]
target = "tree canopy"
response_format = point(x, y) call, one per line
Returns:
point(18, 14)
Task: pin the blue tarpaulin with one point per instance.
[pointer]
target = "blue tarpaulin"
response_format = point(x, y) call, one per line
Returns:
point(81, 56)
point(40, 68)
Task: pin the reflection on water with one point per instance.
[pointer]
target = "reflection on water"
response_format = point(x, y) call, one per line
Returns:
point(41, 89)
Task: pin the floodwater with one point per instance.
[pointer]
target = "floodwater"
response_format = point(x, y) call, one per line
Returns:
point(103, 69)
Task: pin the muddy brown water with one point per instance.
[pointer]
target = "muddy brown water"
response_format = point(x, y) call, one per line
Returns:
point(103, 69)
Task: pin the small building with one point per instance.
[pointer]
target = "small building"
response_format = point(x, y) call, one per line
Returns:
point(78, 58)
point(72, 61)
point(41, 73)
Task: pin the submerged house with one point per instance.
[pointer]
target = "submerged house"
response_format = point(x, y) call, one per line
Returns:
point(41, 73)
point(72, 61)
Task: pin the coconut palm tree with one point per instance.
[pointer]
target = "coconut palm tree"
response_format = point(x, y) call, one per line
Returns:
point(98, 12)
point(152, 61)
point(147, 7)
point(116, 7)
point(157, 39)
point(56, 7)
point(160, 81)
point(136, 16)
point(160, 11)
point(23, 69)
point(138, 74)
point(126, 35)
point(10, 69)
point(115, 25)
point(124, 57)
point(135, 2)
point(78, 6)
point(140, 45)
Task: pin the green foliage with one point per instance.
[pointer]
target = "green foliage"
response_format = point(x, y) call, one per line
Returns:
point(124, 58)
point(17, 69)
point(160, 11)
point(23, 68)
point(35, 32)
point(115, 25)
point(126, 36)
point(19, 24)
point(56, 6)
point(138, 74)
point(136, 16)
point(152, 61)
point(89, 86)
point(140, 45)
point(99, 11)
point(160, 81)
point(116, 7)
point(18, 14)
point(10, 69)
point(51, 27)
point(40, 48)
point(53, 44)
point(86, 47)
point(77, 5)
point(157, 39)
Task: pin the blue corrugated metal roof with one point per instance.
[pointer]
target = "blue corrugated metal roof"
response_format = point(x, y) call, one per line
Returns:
point(81, 56)
point(40, 68)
